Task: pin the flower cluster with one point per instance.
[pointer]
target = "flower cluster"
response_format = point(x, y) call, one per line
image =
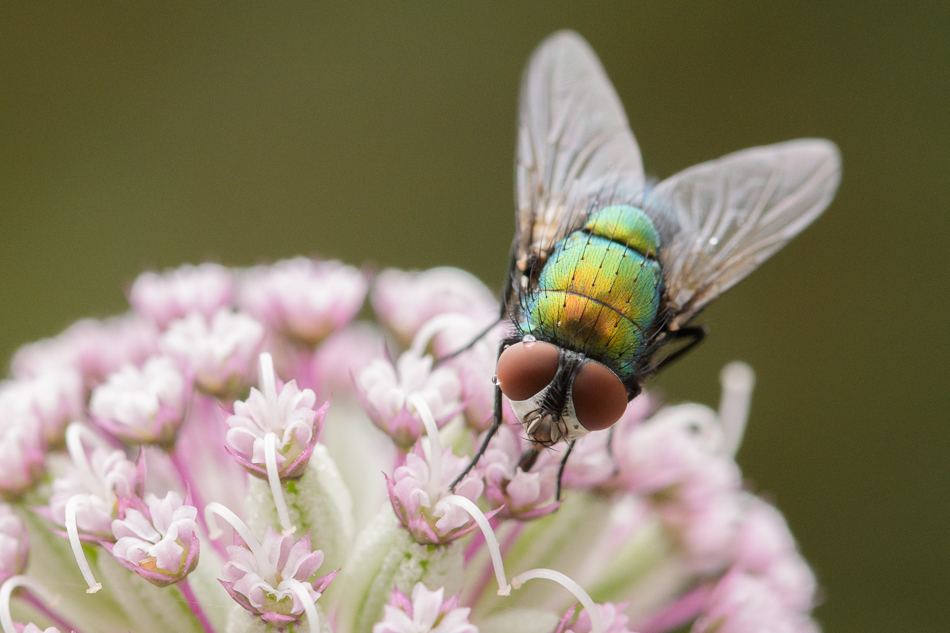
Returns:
point(125, 442)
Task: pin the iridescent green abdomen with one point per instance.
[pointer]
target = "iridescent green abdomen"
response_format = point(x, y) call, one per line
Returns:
point(600, 289)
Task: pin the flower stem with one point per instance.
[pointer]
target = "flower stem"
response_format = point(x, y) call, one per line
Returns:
point(675, 615)
point(61, 622)
point(187, 480)
point(195, 605)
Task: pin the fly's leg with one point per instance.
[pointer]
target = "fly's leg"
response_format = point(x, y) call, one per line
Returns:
point(560, 470)
point(496, 422)
point(610, 448)
point(469, 346)
point(693, 333)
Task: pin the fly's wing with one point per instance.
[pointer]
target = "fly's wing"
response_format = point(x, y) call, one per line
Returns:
point(574, 146)
point(730, 215)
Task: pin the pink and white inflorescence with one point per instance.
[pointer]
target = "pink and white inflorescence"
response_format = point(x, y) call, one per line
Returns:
point(183, 467)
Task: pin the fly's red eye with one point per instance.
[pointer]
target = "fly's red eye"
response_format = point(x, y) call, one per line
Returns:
point(524, 369)
point(599, 397)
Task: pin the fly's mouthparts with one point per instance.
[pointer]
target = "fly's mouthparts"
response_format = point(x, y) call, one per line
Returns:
point(533, 423)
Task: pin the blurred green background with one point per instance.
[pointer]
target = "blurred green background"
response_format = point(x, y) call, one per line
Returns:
point(134, 137)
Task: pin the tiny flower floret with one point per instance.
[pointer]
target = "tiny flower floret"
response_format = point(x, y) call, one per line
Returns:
point(425, 612)
point(142, 405)
point(51, 399)
point(302, 298)
point(741, 603)
point(287, 412)
point(417, 494)
point(160, 541)
point(97, 481)
point(520, 494)
point(404, 301)
point(265, 583)
point(384, 390)
point(90, 347)
point(32, 628)
point(22, 446)
point(164, 297)
point(220, 353)
point(14, 543)
point(612, 619)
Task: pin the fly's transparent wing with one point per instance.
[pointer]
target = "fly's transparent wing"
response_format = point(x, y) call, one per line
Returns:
point(730, 215)
point(574, 145)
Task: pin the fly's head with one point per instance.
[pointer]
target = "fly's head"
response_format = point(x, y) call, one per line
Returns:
point(559, 394)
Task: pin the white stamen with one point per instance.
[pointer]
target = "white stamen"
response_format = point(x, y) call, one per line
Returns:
point(433, 326)
point(75, 433)
point(273, 478)
point(308, 606)
point(435, 445)
point(268, 381)
point(6, 592)
point(243, 531)
point(578, 591)
point(72, 531)
point(491, 542)
point(737, 380)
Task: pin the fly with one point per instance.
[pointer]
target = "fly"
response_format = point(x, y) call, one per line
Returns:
point(605, 271)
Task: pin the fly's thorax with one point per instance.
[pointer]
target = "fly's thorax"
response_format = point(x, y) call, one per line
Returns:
point(600, 290)
point(625, 225)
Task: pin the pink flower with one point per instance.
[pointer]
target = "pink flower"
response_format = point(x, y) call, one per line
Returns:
point(765, 547)
point(288, 413)
point(108, 477)
point(417, 490)
point(175, 293)
point(158, 540)
point(93, 348)
point(426, 612)
point(519, 494)
point(741, 603)
point(343, 355)
point(220, 354)
point(475, 366)
point(143, 405)
point(594, 462)
point(14, 543)
point(403, 301)
point(22, 447)
point(612, 619)
point(51, 399)
point(303, 299)
point(32, 628)
point(264, 582)
point(384, 390)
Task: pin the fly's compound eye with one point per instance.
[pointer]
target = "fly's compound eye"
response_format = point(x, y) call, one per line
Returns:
point(524, 369)
point(599, 397)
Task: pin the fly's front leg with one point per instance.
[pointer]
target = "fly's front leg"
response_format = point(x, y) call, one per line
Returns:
point(471, 344)
point(560, 470)
point(496, 422)
point(610, 448)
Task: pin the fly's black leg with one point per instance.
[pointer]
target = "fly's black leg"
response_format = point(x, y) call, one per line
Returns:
point(694, 333)
point(560, 470)
point(496, 422)
point(610, 447)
